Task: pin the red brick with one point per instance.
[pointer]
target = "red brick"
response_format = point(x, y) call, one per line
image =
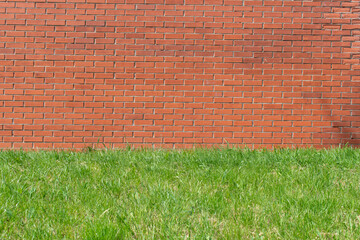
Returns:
point(261, 73)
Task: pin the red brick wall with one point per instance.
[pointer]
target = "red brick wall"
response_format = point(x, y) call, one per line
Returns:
point(175, 73)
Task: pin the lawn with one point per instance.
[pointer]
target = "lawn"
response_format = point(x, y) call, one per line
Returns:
point(180, 194)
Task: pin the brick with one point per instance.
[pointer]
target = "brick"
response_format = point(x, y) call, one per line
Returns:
point(173, 73)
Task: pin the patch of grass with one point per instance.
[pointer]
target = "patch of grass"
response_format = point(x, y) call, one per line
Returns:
point(188, 194)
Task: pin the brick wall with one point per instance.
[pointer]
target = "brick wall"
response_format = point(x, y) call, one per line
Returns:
point(179, 73)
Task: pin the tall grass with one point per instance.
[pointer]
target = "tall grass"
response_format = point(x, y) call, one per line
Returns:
point(180, 194)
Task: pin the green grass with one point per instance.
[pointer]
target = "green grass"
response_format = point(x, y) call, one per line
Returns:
point(188, 194)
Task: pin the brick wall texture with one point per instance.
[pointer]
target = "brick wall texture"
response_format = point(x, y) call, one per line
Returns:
point(179, 73)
